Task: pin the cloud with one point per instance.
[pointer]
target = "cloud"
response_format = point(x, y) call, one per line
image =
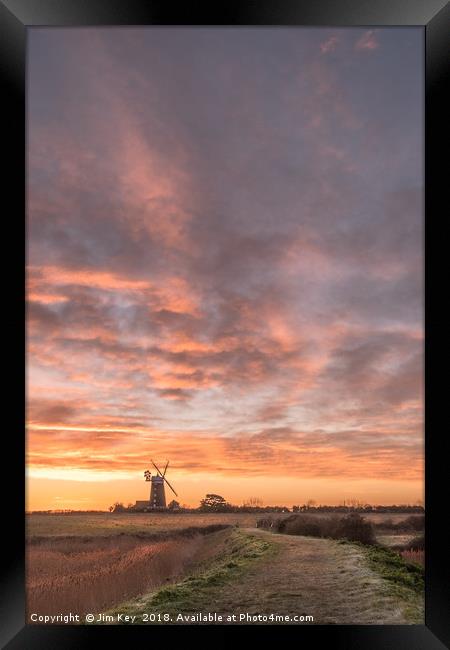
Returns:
point(293, 451)
point(368, 41)
point(329, 45)
point(226, 269)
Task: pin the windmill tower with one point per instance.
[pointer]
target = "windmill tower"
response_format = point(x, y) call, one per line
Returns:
point(157, 491)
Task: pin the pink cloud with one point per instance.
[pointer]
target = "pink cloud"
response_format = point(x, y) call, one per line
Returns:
point(329, 45)
point(209, 282)
point(367, 41)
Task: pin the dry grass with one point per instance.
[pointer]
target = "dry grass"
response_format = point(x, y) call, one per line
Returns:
point(42, 525)
point(415, 556)
point(379, 518)
point(84, 575)
point(93, 562)
point(394, 540)
point(305, 575)
point(103, 524)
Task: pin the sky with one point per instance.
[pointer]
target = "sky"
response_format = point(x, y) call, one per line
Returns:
point(225, 264)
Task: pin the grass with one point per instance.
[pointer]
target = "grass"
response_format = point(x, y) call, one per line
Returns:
point(284, 577)
point(105, 524)
point(108, 524)
point(400, 568)
point(404, 579)
point(157, 563)
point(394, 568)
point(356, 530)
point(196, 592)
point(393, 540)
point(80, 573)
point(138, 576)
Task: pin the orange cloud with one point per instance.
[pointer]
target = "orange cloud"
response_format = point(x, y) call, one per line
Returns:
point(221, 272)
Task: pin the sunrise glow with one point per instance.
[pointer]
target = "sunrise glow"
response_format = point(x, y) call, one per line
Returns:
point(225, 264)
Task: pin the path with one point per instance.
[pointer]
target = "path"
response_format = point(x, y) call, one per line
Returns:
point(318, 577)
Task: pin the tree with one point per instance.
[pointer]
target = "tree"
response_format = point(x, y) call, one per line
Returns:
point(173, 505)
point(214, 503)
point(253, 502)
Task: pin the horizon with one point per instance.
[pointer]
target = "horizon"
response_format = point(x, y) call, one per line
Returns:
point(185, 507)
point(225, 264)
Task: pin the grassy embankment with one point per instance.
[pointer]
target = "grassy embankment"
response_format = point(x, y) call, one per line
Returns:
point(245, 558)
point(402, 570)
point(196, 592)
point(405, 579)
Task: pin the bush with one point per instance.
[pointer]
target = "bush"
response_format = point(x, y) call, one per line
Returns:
point(298, 525)
point(352, 527)
point(265, 522)
point(356, 529)
point(414, 523)
point(386, 524)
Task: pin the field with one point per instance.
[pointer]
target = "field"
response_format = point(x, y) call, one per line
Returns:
point(181, 563)
point(104, 524)
point(83, 574)
point(100, 524)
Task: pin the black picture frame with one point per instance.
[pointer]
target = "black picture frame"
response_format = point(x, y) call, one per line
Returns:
point(16, 17)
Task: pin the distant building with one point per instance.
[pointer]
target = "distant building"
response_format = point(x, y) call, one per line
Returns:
point(157, 493)
point(141, 505)
point(157, 500)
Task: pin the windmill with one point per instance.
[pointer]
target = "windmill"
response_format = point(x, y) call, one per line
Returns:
point(157, 491)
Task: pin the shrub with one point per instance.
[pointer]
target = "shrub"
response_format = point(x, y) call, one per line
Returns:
point(356, 529)
point(298, 525)
point(411, 523)
point(265, 522)
point(414, 523)
point(352, 527)
point(386, 524)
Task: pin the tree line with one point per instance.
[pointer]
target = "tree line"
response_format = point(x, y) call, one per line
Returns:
point(217, 503)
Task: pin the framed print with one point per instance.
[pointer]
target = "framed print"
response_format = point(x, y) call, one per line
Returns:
point(230, 413)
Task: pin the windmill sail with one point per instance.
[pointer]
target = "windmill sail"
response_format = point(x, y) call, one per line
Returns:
point(170, 487)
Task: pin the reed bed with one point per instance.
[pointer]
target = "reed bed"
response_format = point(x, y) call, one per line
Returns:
point(416, 556)
point(82, 576)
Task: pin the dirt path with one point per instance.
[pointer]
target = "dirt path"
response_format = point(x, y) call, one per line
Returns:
point(318, 577)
